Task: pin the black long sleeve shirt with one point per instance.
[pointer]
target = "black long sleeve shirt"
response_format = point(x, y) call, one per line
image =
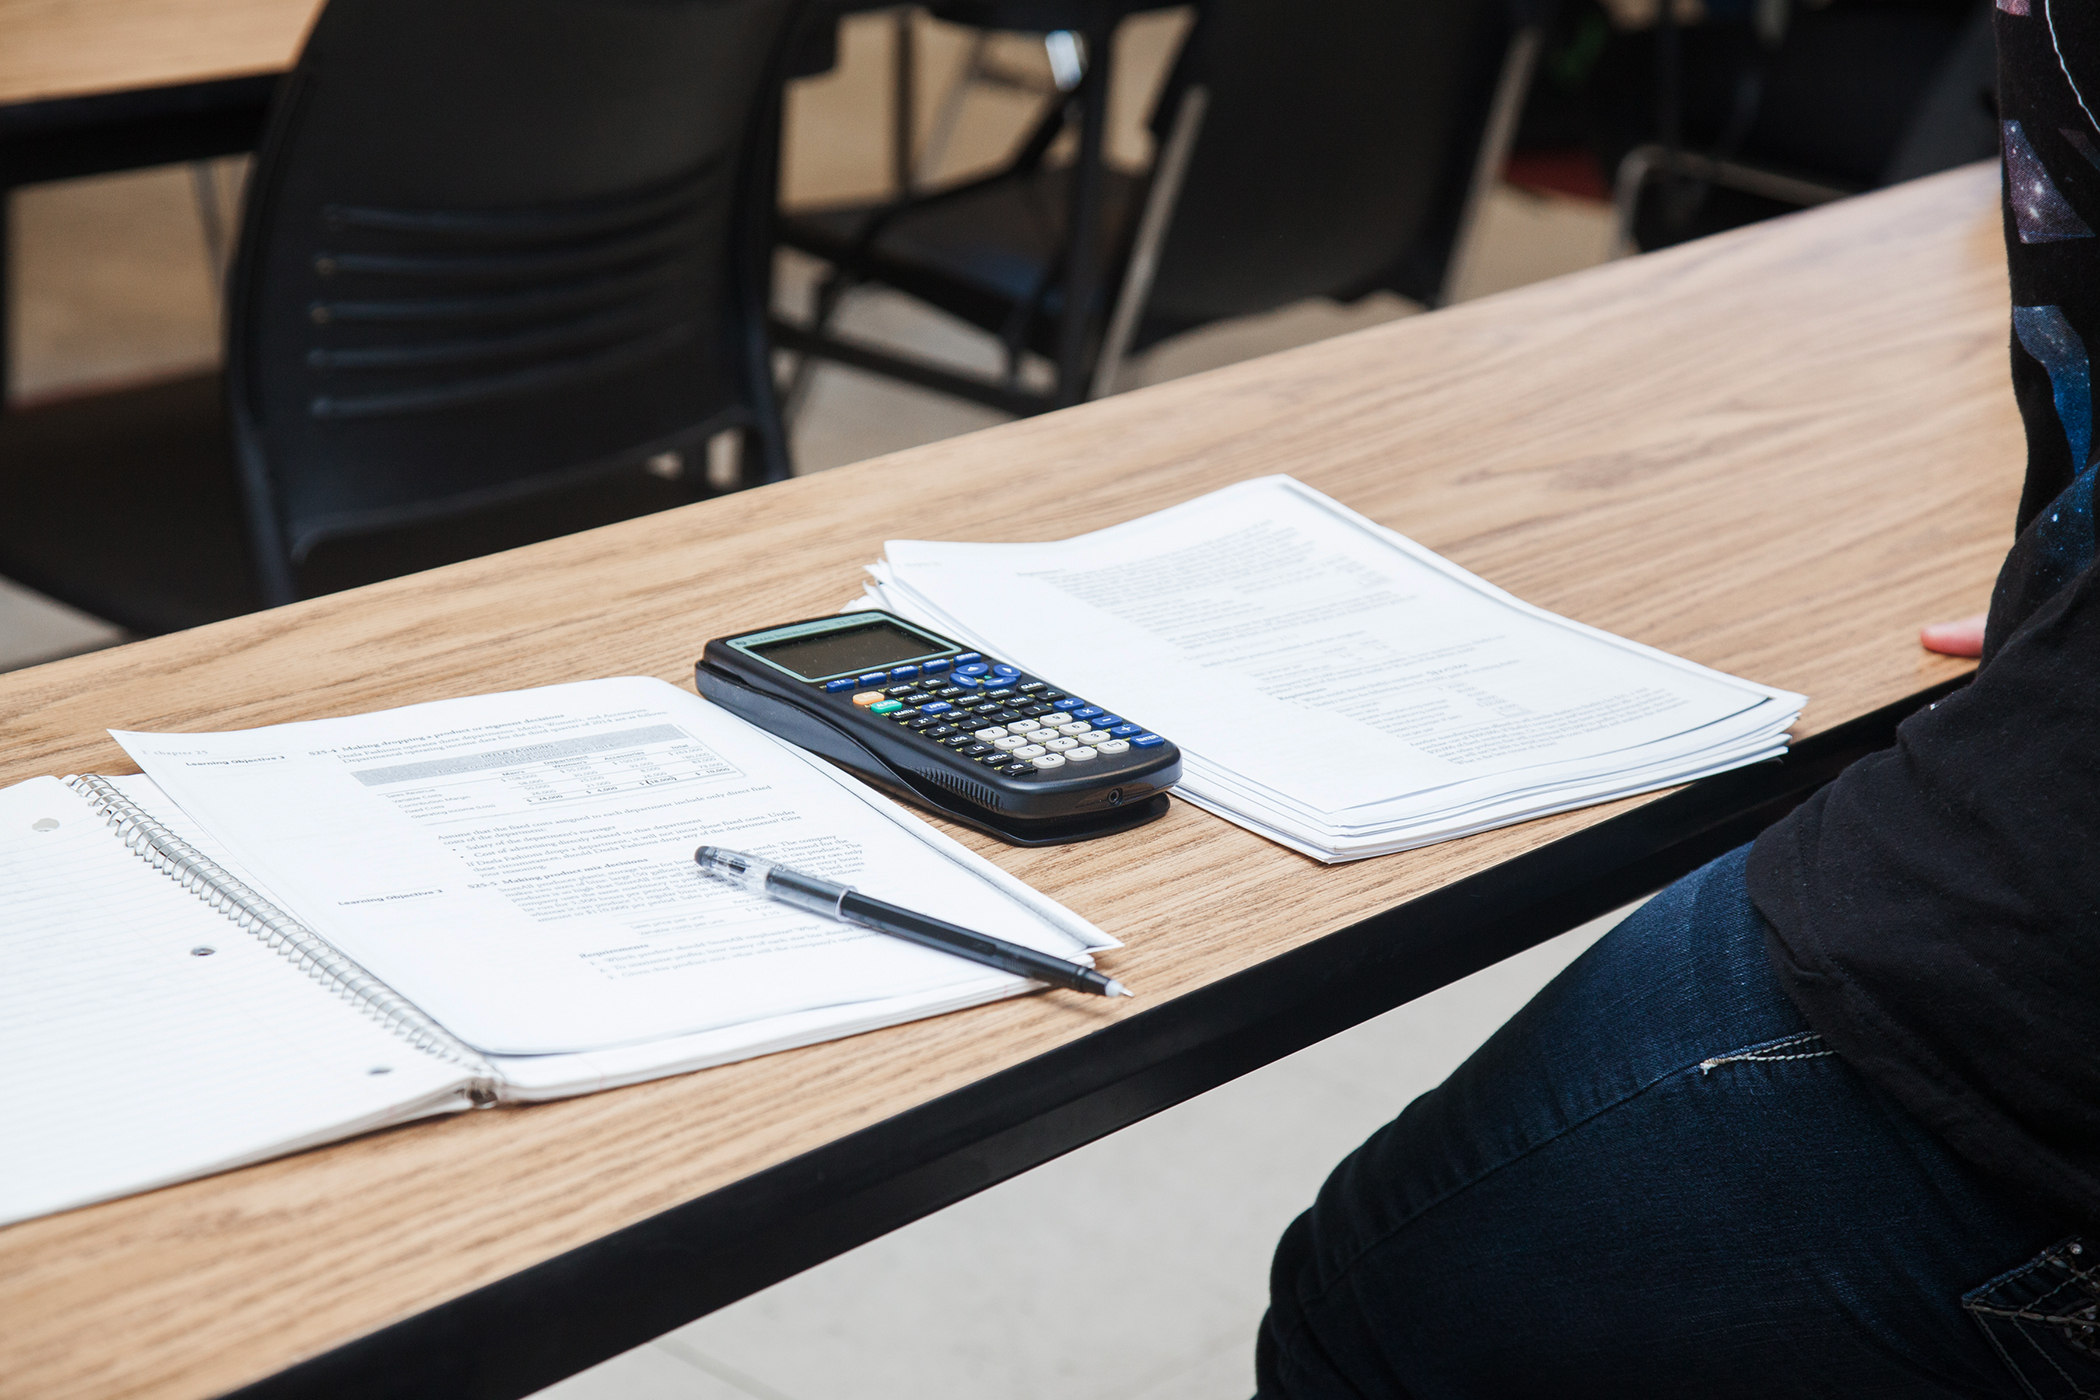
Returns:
point(1935, 911)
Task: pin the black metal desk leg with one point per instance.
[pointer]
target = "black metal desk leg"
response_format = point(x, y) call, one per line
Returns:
point(1083, 261)
point(7, 296)
point(904, 96)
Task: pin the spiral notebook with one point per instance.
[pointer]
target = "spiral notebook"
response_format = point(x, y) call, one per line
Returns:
point(280, 937)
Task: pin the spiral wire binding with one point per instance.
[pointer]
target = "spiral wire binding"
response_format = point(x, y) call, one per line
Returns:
point(194, 871)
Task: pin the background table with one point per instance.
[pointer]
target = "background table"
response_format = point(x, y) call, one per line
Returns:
point(73, 49)
point(1773, 452)
point(93, 86)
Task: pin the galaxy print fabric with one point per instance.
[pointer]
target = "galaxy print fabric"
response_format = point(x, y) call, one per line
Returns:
point(2049, 59)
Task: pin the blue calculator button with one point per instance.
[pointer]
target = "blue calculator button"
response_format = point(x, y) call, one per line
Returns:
point(1006, 672)
point(934, 667)
point(1068, 703)
point(967, 682)
point(1086, 712)
point(842, 683)
point(938, 707)
point(903, 673)
point(874, 678)
point(966, 656)
point(1124, 731)
point(1109, 721)
point(1147, 741)
point(975, 668)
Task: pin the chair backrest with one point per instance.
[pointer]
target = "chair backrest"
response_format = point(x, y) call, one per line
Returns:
point(1335, 154)
point(497, 246)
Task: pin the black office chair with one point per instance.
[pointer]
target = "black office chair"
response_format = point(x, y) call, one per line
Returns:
point(1325, 149)
point(502, 276)
point(1728, 122)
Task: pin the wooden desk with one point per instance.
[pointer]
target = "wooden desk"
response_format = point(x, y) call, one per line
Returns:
point(51, 49)
point(90, 86)
point(93, 86)
point(1774, 452)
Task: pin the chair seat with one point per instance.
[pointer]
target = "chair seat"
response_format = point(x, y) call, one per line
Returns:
point(978, 251)
point(127, 505)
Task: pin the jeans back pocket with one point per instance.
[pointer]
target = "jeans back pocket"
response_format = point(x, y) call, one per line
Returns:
point(2044, 1319)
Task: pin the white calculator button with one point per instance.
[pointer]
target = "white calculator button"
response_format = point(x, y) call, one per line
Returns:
point(1010, 742)
point(1033, 751)
point(1060, 744)
point(1048, 760)
point(1094, 736)
point(1113, 746)
point(986, 736)
point(1082, 754)
point(1075, 727)
point(1039, 736)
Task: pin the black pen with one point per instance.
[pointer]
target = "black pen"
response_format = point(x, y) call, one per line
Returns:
point(849, 905)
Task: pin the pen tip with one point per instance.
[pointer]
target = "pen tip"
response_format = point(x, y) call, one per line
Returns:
point(1117, 989)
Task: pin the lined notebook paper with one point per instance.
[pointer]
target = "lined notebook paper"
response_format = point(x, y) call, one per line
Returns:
point(133, 1058)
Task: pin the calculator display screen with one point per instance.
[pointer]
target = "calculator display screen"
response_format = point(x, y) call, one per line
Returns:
point(873, 647)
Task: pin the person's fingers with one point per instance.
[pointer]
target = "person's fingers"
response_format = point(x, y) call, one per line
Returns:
point(1962, 638)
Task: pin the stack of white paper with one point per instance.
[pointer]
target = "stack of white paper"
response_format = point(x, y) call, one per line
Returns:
point(1333, 685)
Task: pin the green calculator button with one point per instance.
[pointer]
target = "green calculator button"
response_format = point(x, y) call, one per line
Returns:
point(885, 707)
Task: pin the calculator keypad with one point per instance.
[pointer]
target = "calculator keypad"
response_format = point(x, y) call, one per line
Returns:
point(990, 712)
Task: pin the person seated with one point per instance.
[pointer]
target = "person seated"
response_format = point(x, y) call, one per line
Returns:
point(1822, 1118)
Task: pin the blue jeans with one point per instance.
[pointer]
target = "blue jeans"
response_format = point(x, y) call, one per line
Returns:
point(1656, 1180)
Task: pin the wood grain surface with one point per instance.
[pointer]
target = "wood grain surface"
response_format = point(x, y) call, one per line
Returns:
point(79, 48)
point(1775, 452)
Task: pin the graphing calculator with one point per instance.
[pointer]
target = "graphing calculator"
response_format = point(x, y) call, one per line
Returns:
point(924, 717)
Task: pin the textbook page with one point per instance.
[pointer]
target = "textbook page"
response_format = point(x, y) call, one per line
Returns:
point(530, 1078)
point(150, 1039)
point(520, 865)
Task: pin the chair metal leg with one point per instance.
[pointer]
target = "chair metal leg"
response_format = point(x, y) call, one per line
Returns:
point(1083, 262)
point(1169, 169)
point(1063, 50)
point(763, 447)
point(266, 540)
point(763, 441)
point(830, 292)
point(211, 220)
point(928, 167)
point(1644, 163)
point(1626, 186)
point(904, 96)
point(741, 457)
point(1501, 131)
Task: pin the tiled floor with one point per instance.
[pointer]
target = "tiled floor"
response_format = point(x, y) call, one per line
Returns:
point(1130, 1270)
